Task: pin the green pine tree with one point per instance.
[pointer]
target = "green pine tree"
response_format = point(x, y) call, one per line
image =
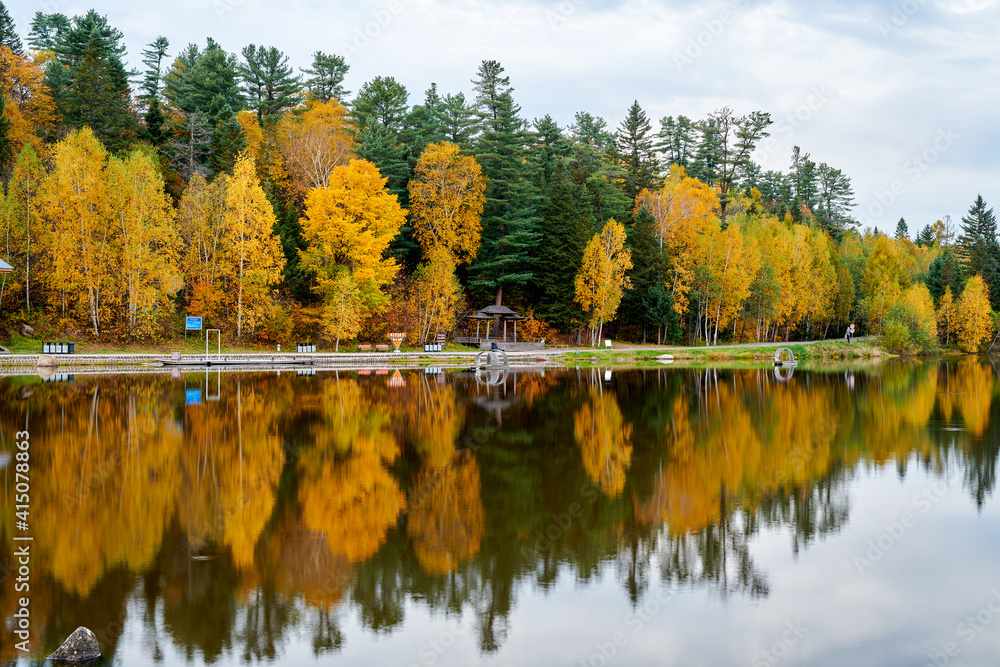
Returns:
point(510, 217)
point(925, 238)
point(945, 271)
point(97, 98)
point(8, 33)
point(902, 230)
point(567, 225)
point(227, 140)
point(152, 58)
point(46, 30)
point(268, 82)
point(634, 145)
point(326, 77)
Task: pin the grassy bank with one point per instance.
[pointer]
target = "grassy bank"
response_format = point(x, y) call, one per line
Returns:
point(830, 350)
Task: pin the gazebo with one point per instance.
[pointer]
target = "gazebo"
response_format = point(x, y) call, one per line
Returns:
point(5, 267)
point(498, 313)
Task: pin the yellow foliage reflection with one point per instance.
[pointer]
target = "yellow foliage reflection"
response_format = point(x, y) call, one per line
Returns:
point(604, 440)
point(446, 519)
point(345, 490)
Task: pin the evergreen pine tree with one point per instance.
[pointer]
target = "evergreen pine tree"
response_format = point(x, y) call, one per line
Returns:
point(377, 143)
point(154, 125)
point(677, 141)
point(381, 101)
point(97, 98)
point(549, 147)
point(46, 30)
point(634, 145)
point(902, 230)
point(979, 250)
point(227, 141)
point(567, 225)
point(458, 120)
point(326, 77)
point(268, 82)
point(510, 218)
point(152, 58)
point(592, 130)
point(288, 227)
point(705, 165)
point(945, 271)
point(925, 238)
point(8, 33)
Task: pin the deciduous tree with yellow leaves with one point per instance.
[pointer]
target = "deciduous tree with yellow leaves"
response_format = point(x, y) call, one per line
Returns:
point(348, 225)
point(313, 141)
point(252, 258)
point(78, 226)
point(973, 315)
point(602, 279)
point(201, 224)
point(446, 200)
point(146, 243)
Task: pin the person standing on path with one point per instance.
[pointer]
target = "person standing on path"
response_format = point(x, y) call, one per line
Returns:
point(850, 333)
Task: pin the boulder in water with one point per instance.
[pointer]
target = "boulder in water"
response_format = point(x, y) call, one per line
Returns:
point(80, 646)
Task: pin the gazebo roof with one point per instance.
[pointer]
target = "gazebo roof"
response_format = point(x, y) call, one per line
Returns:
point(498, 310)
point(491, 312)
point(5, 267)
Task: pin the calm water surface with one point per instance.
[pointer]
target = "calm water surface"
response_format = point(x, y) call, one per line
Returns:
point(662, 517)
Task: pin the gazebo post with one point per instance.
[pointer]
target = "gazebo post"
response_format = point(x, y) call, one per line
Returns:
point(505, 329)
point(515, 337)
point(487, 330)
point(477, 332)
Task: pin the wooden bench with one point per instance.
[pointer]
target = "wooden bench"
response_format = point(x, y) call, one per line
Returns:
point(382, 348)
point(364, 348)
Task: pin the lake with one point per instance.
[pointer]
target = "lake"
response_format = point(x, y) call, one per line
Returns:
point(670, 516)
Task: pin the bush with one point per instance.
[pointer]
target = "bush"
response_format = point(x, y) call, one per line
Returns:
point(896, 337)
point(908, 330)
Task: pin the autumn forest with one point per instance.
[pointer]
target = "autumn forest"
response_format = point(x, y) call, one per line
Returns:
point(279, 206)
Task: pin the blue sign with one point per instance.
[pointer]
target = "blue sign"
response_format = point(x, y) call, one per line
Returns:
point(192, 396)
point(193, 324)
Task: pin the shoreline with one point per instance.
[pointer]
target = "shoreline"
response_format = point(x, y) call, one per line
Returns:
point(621, 357)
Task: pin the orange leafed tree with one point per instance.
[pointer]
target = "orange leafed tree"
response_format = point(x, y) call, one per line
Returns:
point(435, 295)
point(201, 223)
point(29, 109)
point(446, 200)
point(681, 211)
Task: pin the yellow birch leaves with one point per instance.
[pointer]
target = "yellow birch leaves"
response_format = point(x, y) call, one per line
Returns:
point(602, 279)
point(974, 321)
point(446, 200)
point(348, 225)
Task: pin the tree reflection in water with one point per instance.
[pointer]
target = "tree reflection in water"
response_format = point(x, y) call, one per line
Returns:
point(229, 526)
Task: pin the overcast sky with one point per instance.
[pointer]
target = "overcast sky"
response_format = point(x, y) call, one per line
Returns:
point(902, 96)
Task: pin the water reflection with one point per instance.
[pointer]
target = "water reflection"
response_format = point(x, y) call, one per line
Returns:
point(238, 524)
